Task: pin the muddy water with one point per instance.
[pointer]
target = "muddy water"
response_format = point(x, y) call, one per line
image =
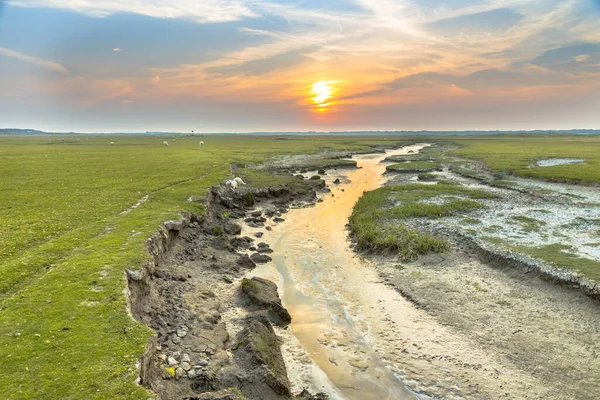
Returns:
point(335, 300)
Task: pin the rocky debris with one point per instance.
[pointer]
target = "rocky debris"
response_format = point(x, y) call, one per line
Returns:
point(262, 295)
point(255, 220)
point(260, 258)
point(268, 228)
point(259, 347)
point(321, 172)
point(305, 395)
point(278, 219)
point(245, 261)
point(315, 177)
point(263, 248)
point(228, 394)
point(259, 234)
point(231, 228)
point(182, 291)
point(337, 181)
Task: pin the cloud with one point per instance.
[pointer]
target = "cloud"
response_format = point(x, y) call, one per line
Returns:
point(204, 11)
point(51, 65)
point(116, 49)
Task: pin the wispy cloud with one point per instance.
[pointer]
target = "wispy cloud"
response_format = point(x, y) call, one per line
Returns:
point(116, 49)
point(204, 11)
point(51, 65)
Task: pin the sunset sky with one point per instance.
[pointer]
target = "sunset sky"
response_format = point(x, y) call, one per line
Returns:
point(293, 65)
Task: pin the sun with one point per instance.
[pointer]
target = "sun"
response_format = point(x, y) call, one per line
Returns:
point(323, 93)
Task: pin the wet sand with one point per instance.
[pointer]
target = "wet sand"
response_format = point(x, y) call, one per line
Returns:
point(468, 331)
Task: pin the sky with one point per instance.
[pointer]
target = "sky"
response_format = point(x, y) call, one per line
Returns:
point(299, 65)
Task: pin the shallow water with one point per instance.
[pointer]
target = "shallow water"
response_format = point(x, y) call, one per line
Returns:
point(552, 162)
point(331, 294)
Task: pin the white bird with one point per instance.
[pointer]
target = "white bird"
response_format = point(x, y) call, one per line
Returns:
point(112, 143)
point(201, 144)
point(166, 144)
point(239, 180)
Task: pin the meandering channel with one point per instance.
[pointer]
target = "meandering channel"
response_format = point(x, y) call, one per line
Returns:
point(336, 301)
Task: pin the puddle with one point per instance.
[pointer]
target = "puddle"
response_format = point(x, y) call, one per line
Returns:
point(552, 162)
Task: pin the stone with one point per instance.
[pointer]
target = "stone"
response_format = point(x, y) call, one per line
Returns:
point(337, 181)
point(263, 295)
point(245, 261)
point(186, 366)
point(185, 358)
point(278, 219)
point(182, 331)
point(256, 213)
point(260, 258)
point(231, 228)
point(179, 373)
point(172, 361)
point(175, 339)
point(259, 234)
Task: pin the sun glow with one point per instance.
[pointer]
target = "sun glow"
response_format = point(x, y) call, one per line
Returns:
point(323, 93)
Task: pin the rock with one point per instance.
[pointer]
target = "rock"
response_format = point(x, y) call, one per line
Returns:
point(180, 373)
point(264, 248)
point(192, 374)
point(182, 331)
point(263, 295)
point(269, 212)
point(172, 361)
point(185, 358)
point(245, 261)
point(278, 219)
point(337, 181)
point(315, 177)
point(231, 228)
point(260, 258)
point(175, 339)
point(241, 242)
point(256, 213)
point(321, 172)
point(256, 220)
point(268, 228)
point(186, 366)
point(259, 348)
point(259, 234)
point(228, 394)
point(299, 176)
point(305, 395)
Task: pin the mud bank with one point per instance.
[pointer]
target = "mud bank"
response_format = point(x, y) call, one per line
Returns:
point(215, 333)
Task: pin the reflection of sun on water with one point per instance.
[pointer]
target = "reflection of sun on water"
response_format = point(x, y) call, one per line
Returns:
point(323, 93)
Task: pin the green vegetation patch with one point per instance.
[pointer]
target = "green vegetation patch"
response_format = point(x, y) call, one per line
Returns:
point(517, 153)
point(427, 177)
point(528, 224)
point(414, 166)
point(377, 218)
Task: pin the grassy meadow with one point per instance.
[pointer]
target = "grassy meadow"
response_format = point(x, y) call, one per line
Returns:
point(68, 230)
point(515, 153)
point(377, 219)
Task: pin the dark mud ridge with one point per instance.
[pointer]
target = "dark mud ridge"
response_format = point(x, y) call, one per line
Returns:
point(215, 336)
point(496, 256)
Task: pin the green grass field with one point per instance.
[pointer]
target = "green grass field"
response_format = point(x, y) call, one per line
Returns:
point(65, 241)
point(515, 154)
point(377, 219)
